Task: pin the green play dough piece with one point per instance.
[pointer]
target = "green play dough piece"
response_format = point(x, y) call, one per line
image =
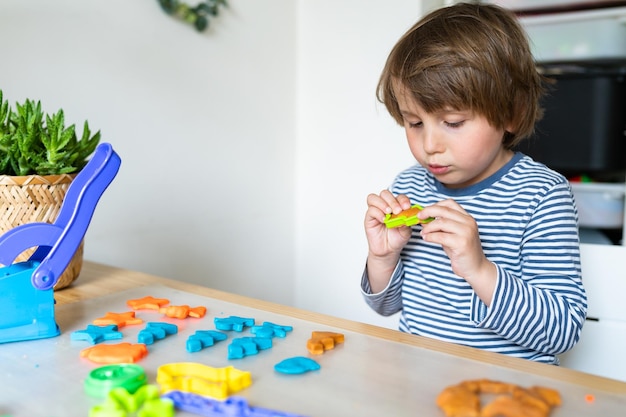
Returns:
point(105, 378)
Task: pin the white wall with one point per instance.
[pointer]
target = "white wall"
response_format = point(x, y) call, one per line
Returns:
point(204, 123)
point(247, 151)
point(348, 146)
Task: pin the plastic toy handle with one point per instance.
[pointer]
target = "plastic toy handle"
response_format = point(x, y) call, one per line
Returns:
point(76, 213)
point(16, 240)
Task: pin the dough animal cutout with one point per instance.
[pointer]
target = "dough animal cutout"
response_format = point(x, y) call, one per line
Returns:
point(184, 311)
point(406, 217)
point(297, 365)
point(115, 353)
point(201, 379)
point(323, 341)
point(463, 400)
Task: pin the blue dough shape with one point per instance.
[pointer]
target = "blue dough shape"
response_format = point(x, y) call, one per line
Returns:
point(202, 339)
point(246, 346)
point(96, 334)
point(297, 365)
point(156, 331)
point(233, 323)
point(270, 330)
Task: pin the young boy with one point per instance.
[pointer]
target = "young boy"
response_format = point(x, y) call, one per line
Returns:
point(499, 266)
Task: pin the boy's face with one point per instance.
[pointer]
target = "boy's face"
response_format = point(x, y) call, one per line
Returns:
point(459, 148)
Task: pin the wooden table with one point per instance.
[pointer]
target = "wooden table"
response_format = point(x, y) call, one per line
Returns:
point(377, 371)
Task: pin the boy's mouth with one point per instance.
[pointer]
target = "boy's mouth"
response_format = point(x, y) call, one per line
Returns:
point(438, 169)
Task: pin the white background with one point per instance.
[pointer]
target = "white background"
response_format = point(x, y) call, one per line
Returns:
point(247, 150)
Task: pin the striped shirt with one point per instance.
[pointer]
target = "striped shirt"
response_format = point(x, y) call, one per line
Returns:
point(528, 226)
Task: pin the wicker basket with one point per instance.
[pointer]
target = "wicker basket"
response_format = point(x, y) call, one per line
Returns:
point(35, 198)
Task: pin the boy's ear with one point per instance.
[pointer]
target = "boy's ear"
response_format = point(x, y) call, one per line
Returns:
point(507, 137)
point(509, 129)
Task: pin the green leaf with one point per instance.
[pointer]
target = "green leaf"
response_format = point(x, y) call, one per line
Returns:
point(33, 142)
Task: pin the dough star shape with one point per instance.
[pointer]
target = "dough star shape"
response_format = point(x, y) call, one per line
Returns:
point(119, 319)
point(147, 303)
point(96, 334)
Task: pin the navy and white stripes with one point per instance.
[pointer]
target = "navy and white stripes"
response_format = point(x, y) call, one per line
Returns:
point(528, 228)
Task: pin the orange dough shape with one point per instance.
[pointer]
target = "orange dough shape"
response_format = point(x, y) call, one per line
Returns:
point(115, 353)
point(549, 395)
point(119, 319)
point(410, 212)
point(507, 406)
point(507, 400)
point(182, 312)
point(323, 341)
point(197, 312)
point(147, 303)
point(459, 401)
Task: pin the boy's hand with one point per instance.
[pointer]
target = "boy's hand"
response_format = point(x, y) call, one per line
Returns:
point(457, 231)
point(383, 241)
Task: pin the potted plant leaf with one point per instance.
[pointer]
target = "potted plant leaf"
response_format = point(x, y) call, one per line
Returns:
point(39, 158)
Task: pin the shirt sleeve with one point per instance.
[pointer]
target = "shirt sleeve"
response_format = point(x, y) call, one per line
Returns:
point(388, 301)
point(543, 306)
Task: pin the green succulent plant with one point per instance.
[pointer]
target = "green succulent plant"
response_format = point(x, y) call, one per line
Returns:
point(34, 142)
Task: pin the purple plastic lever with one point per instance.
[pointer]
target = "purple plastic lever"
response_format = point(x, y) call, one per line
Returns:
point(232, 407)
point(57, 242)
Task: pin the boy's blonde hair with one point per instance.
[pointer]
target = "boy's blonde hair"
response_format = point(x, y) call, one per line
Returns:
point(468, 57)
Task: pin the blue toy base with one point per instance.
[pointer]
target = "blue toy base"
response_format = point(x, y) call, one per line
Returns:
point(26, 313)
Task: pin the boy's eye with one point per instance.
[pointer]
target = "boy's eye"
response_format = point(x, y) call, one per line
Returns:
point(454, 124)
point(414, 124)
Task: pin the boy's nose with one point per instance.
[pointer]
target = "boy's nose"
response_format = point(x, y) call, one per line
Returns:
point(432, 142)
